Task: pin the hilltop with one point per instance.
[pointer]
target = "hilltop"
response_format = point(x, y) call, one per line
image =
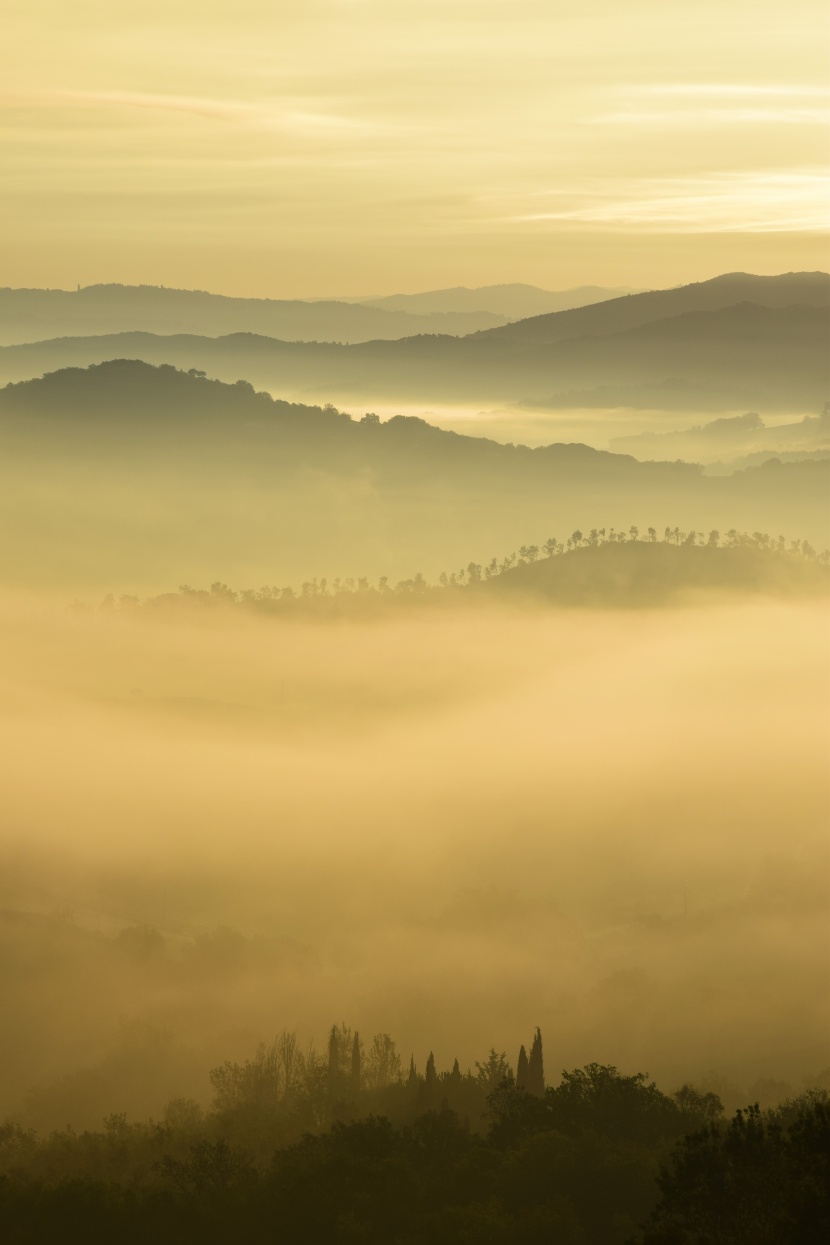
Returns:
point(599, 571)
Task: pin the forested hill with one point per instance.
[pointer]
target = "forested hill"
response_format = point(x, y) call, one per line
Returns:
point(130, 401)
point(637, 572)
point(599, 570)
point(237, 486)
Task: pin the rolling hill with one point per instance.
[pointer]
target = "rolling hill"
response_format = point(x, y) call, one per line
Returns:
point(805, 289)
point(32, 315)
point(731, 356)
point(123, 476)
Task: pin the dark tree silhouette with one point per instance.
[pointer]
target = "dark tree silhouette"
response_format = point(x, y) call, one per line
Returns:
point(536, 1068)
point(522, 1069)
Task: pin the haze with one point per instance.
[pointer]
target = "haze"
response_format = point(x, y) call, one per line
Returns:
point(404, 805)
point(414, 583)
point(361, 147)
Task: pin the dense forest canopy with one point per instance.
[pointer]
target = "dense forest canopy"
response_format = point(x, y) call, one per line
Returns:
point(346, 1145)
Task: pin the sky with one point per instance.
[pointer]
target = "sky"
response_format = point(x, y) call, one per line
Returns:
point(310, 148)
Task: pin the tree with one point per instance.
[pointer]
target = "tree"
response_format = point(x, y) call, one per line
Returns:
point(536, 1068)
point(752, 1182)
point(495, 1070)
point(334, 1058)
point(356, 1080)
point(211, 1168)
point(382, 1065)
point(522, 1069)
point(430, 1085)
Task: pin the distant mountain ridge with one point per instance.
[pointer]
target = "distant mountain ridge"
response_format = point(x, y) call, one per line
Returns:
point(734, 357)
point(34, 315)
point(701, 346)
point(514, 301)
point(807, 289)
point(31, 315)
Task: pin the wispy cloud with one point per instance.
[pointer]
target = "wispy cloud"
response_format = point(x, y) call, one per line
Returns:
point(259, 115)
point(694, 117)
point(705, 104)
point(727, 89)
point(747, 203)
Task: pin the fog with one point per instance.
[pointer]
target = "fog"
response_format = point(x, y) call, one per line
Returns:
point(451, 826)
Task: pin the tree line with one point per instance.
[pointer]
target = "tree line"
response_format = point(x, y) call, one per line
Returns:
point(343, 1145)
point(475, 573)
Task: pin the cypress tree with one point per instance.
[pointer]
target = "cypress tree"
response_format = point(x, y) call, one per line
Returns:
point(521, 1070)
point(356, 1063)
point(334, 1058)
point(455, 1075)
point(412, 1079)
point(431, 1078)
point(536, 1068)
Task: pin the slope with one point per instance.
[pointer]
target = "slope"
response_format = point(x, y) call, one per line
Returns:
point(126, 477)
point(618, 314)
point(515, 301)
point(32, 315)
point(732, 357)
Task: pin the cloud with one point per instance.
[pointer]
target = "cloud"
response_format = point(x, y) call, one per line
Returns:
point(716, 117)
point(254, 114)
point(725, 89)
point(755, 202)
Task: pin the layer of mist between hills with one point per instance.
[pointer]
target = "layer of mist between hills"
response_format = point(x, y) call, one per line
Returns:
point(31, 315)
point(129, 477)
point(389, 822)
point(732, 342)
point(732, 443)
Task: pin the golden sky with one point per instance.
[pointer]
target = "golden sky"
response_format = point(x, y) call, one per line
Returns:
point(316, 147)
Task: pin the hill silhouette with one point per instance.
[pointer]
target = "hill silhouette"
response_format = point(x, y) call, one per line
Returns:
point(144, 473)
point(809, 289)
point(639, 572)
point(730, 355)
point(515, 301)
point(629, 572)
point(32, 315)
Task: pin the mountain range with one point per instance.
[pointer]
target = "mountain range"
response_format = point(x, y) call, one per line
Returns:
point(736, 341)
point(32, 315)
